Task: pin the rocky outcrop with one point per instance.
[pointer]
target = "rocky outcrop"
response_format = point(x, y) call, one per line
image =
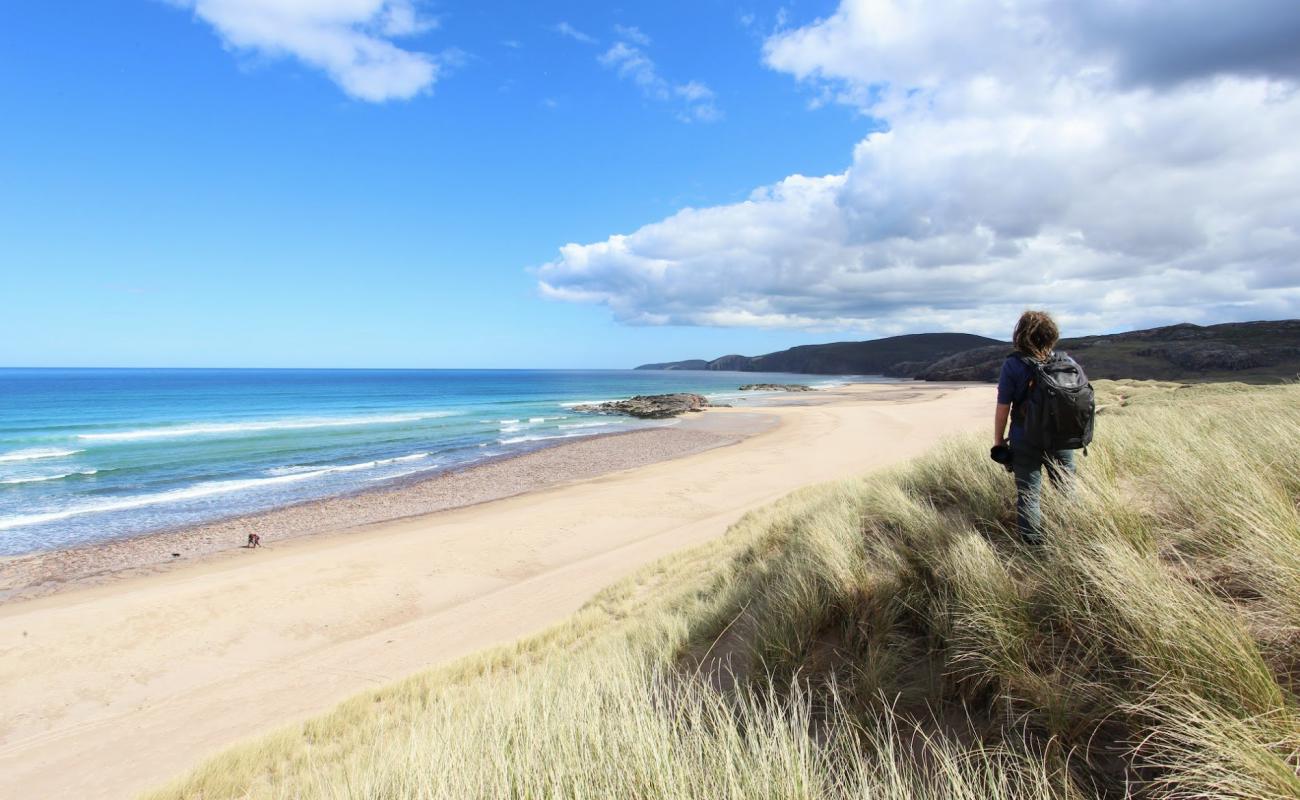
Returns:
point(650, 406)
point(776, 387)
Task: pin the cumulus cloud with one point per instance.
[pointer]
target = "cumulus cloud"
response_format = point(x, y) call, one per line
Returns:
point(693, 100)
point(1030, 153)
point(350, 40)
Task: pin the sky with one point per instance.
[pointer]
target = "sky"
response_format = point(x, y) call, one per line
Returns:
point(397, 183)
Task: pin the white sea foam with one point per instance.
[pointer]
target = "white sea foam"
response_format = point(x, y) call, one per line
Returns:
point(417, 471)
point(587, 424)
point(302, 469)
point(41, 478)
point(196, 491)
point(207, 429)
point(35, 453)
point(521, 439)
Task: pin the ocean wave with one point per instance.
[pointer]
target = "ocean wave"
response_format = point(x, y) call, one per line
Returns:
point(515, 425)
point(538, 438)
point(396, 475)
point(207, 429)
point(35, 453)
point(41, 478)
point(303, 469)
point(194, 492)
point(587, 424)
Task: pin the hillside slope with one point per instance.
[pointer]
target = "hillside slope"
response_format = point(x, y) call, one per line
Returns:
point(894, 355)
point(889, 636)
point(1256, 352)
point(1251, 352)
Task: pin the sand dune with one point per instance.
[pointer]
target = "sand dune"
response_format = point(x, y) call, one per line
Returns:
point(110, 689)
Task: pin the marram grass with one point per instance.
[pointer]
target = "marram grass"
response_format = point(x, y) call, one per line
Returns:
point(889, 637)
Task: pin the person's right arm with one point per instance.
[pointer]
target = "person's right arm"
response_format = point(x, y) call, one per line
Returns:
point(1006, 391)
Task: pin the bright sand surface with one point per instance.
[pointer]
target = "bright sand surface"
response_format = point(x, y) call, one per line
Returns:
point(111, 689)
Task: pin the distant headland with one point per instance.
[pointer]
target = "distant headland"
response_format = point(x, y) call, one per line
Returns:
point(1252, 352)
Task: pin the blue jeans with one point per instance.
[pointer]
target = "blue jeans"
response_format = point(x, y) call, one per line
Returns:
point(1027, 464)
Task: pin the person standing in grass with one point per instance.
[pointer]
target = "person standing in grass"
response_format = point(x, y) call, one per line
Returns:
point(1049, 403)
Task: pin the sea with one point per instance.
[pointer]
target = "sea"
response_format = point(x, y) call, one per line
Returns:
point(88, 455)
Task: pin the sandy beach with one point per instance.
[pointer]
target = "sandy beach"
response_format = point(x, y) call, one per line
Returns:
point(133, 667)
point(41, 573)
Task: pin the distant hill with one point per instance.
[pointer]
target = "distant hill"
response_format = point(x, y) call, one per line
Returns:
point(894, 355)
point(1252, 352)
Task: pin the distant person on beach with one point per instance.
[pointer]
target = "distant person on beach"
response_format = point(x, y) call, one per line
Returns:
point(254, 540)
point(1049, 402)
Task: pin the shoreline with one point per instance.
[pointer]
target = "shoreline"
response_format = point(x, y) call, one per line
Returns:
point(169, 665)
point(45, 572)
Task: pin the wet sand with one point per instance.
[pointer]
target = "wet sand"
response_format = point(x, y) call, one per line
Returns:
point(39, 574)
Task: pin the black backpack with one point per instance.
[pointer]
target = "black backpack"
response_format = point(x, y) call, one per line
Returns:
point(1059, 409)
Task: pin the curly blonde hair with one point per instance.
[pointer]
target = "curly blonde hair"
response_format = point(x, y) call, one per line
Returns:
point(1036, 334)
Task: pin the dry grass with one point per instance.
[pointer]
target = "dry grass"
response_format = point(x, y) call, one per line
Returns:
point(889, 637)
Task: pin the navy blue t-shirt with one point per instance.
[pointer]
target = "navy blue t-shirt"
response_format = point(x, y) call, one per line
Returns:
point(1013, 388)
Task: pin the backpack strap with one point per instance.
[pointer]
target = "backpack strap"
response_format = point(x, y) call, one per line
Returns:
point(1029, 387)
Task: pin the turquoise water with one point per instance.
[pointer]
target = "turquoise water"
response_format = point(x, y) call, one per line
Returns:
point(89, 454)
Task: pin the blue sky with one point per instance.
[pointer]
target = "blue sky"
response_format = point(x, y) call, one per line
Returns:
point(168, 201)
point(410, 183)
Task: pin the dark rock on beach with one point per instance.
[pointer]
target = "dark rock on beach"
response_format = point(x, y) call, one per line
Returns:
point(650, 406)
point(776, 387)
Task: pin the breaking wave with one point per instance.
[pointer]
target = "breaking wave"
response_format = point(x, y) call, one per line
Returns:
point(208, 429)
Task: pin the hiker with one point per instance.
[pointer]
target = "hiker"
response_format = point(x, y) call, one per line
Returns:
point(1049, 402)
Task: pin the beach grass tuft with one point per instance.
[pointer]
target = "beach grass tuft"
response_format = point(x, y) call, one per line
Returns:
point(889, 636)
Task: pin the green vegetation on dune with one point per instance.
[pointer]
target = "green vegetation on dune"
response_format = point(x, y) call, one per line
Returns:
point(889, 637)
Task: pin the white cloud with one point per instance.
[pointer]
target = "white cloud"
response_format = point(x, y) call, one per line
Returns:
point(1033, 154)
point(565, 29)
point(693, 100)
point(633, 34)
point(350, 40)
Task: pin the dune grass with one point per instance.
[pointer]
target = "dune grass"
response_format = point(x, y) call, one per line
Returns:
point(890, 637)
